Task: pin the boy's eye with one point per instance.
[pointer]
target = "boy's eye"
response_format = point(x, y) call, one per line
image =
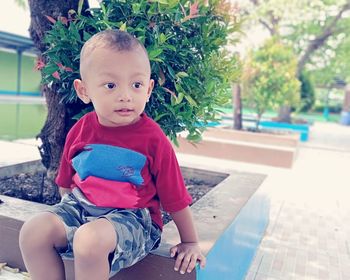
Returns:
point(110, 85)
point(137, 85)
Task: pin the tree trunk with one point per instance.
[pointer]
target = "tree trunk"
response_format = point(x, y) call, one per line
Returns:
point(346, 103)
point(345, 114)
point(284, 114)
point(55, 129)
point(237, 107)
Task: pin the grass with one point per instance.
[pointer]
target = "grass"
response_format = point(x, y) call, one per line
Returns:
point(21, 120)
point(310, 117)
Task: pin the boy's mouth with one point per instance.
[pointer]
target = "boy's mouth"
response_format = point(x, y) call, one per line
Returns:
point(124, 111)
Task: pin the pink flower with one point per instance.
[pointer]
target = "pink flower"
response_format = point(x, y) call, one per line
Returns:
point(169, 91)
point(68, 69)
point(193, 12)
point(56, 75)
point(64, 20)
point(194, 9)
point(51, 19)
point(39, 64)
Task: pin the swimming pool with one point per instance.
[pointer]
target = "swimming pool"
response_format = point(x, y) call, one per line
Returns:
point(20, 119)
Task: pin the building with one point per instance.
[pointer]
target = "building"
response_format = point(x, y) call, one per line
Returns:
point(17, 61)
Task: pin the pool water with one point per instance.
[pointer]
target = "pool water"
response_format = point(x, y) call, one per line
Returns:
point(21, 120)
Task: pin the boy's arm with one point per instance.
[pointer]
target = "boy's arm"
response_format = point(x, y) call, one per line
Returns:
point(188, 251)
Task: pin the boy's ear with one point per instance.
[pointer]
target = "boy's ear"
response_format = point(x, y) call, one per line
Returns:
point(150, 88)
point(81, 91)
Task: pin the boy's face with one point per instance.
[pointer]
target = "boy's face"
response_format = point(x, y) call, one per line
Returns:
point(117, 83)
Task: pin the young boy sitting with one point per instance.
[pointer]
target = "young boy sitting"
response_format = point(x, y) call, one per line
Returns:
point(117, 170)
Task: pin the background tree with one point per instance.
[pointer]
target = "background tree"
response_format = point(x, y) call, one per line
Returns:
point(237, 106)
point(269, 78)
point(307, 93)
point(315, 28)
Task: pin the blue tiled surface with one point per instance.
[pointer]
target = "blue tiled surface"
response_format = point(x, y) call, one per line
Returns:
point(234, 251)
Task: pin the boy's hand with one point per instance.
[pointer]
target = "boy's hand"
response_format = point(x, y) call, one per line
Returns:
point(187, 255)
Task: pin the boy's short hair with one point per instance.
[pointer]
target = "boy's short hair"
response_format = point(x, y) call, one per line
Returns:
point(114, 39)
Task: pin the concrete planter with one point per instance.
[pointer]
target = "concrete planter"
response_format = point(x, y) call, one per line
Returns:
point(231, 221)
point(258, 148)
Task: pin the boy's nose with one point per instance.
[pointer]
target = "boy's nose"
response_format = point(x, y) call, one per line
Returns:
point(124, 96)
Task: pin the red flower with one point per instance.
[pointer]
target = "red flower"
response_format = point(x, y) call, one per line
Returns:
point(193, 12)
point(56, 75)
point(51, 19)
point(39, 64)
point(68, 69)
point(64, 20)
point(169, 91)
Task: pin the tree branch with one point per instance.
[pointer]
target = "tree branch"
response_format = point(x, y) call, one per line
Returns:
point(321, 39)
point(268, 27)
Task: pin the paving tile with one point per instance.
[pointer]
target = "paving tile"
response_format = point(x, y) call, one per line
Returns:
point(261, 276)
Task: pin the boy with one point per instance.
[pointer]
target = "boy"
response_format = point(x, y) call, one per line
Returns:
point(116, 169)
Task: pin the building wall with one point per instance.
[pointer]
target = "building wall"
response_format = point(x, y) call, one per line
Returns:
point(30, 78)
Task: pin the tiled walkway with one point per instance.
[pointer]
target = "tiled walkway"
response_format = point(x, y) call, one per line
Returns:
point(309, 232)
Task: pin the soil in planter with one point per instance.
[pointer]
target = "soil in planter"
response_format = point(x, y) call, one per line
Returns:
point(36, 187)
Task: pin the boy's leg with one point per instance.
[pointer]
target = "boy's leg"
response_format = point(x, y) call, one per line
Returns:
point(92, 244)
point(38, 239)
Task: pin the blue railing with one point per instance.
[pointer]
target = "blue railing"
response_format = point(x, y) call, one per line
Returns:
point(302, 129)
point(22, 93)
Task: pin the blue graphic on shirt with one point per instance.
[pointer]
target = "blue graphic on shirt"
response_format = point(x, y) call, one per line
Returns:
point(110, 163)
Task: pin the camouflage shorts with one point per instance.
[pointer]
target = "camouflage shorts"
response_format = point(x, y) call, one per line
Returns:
point(136, 234)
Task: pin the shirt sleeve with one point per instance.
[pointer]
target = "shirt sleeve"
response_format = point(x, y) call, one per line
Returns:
point(169, 181)
point(65, 173)
point(64, 178)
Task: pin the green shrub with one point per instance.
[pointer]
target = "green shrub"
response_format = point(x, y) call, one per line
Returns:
point(269, 78)
point(185, 43)
point(307, 93)
point(332, 108)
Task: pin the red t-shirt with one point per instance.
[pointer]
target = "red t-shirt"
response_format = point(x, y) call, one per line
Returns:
point(131, 166)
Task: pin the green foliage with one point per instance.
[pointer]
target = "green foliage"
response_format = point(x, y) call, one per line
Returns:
point(21, 3)
point(330, 60)
point(307, 93)
point(269, 80)
point(301, 22)
point(189, 64)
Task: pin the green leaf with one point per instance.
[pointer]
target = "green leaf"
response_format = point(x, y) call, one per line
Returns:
point(123, 27)
point(191, 101)
point(80, 6)
point(162, 38)
point(73, 31)
point(49, 69)
point(181, 74)
point(194, 137)
point(86, 36)
point(154, 53)
point(136, 8)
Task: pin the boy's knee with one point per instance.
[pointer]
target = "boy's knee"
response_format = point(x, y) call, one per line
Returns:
point(42, 229)
point(90, 243)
